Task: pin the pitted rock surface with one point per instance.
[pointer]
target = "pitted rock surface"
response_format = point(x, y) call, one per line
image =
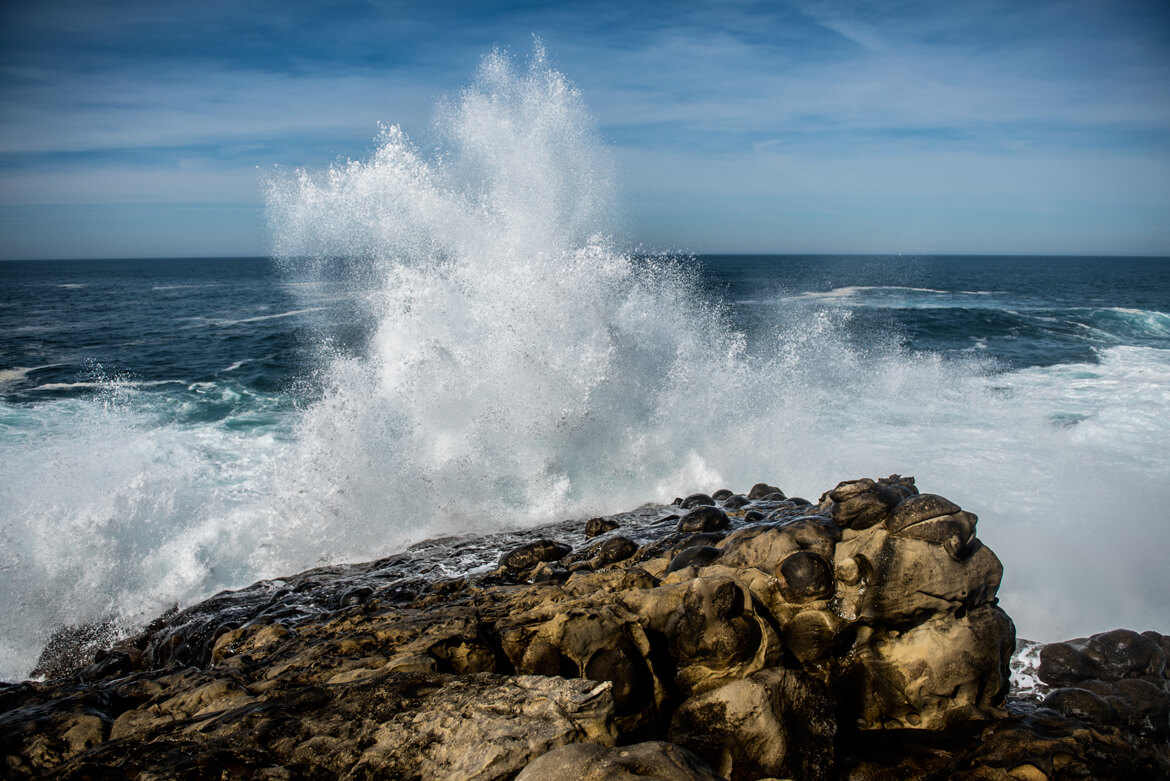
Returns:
point(754, 637)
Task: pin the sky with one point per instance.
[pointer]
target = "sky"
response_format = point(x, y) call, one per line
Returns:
point(141, 129)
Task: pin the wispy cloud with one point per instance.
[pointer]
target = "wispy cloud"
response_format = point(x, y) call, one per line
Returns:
point(1054, 108)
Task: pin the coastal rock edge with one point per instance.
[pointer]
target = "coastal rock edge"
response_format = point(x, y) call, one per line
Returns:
point(725, 636)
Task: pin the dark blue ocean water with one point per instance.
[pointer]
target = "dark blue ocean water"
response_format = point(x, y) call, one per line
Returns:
point(169, 428)
point(1015, 311)
point(181, 326)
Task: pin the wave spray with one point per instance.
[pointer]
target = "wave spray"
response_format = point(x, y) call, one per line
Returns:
point(523, 369)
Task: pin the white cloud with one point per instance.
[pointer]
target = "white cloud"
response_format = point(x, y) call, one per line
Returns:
point(184, 107)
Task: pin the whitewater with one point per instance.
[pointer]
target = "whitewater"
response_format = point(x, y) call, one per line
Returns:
point(471, 349)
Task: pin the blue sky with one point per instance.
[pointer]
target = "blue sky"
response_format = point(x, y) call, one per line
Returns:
point(138, 128)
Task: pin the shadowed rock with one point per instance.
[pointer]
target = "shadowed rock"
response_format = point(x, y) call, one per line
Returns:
point(598, 526)
point(859, 638)
point(655, 761)
point(528, 556)
point(705, 518)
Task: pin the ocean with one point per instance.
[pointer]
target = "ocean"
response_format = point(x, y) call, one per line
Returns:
point(455, 343)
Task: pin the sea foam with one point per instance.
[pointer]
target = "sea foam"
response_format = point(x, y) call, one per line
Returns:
point(524, 368)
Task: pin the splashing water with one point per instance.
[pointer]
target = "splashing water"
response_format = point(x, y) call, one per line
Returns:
point(520, 368)
point(524, 369)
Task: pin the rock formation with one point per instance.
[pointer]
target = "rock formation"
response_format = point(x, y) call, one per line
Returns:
point(727, 636)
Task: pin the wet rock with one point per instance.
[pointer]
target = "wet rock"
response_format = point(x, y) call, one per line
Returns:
point(614, 550)
point(356, 596)
point(860, 504)
point(696, 556)
point(1108, 656)
point(696, 500)
point(597, 526)
point(655, 760)
point(858, 638)
point(736, 502)
point(528, 556)
point(1081, 704)
point(762, 490)
point(915, 509)
point(722, 495)
point(550, 573)
point(1115, 678)
point(704, 519)
point(73, 647)
point(804, 576)
point(1061, 664)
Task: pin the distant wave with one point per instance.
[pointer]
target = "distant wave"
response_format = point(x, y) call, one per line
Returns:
point(104, 384)
point(18, 373)
point(218, 323)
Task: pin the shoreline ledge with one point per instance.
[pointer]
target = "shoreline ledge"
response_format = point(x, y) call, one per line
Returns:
point(725, 636)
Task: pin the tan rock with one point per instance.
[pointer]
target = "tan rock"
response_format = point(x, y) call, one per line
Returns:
point(654, 761)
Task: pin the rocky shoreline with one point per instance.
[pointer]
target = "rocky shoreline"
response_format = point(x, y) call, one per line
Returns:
point(736, 636)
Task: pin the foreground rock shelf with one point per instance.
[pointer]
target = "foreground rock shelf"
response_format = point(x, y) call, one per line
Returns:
point(725, 636)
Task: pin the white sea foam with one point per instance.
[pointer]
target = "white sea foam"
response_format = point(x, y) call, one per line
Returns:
point(259, 318)
point(870, 295)
point(18, 374)
point(103, 384)
point(524, 369)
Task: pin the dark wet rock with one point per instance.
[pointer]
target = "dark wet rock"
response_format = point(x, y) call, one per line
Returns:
point(670, 545)
point(355, 596)
point(859, 638)
point(805, 575)
point(547, 573)
point(1061, 665)
point(1109, 656)
point(704, 519)
point(653, 760)
point(736, 502)
point(1115, 678)
point(72, 647)
point(763, 490)
point(860, 504)
point(528, 556)
point(696, 500)
point(695, 556)
point(597, 526)
point(722, 495)
point(615, 549)
point(1082, 704)
point(915, 509)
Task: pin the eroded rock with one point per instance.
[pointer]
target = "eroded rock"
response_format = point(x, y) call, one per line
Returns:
point(764, 638)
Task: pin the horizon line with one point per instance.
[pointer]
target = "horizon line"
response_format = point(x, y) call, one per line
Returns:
point(673, 253)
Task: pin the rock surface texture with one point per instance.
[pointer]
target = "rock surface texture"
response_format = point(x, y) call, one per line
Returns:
point(728, 636)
